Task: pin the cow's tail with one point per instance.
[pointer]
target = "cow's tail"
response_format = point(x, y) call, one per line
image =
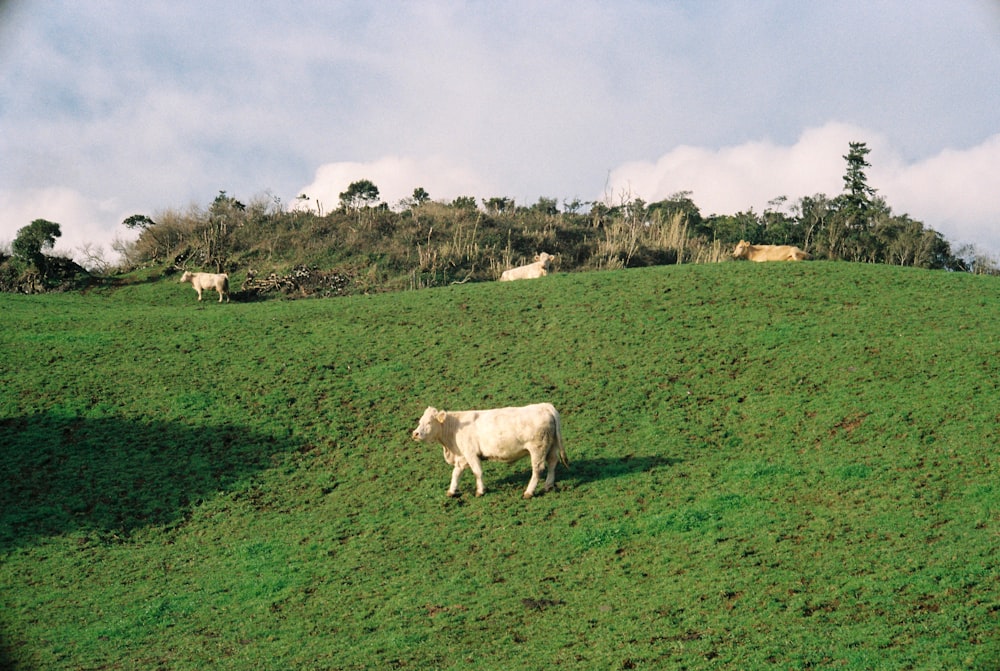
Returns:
point(559, 440)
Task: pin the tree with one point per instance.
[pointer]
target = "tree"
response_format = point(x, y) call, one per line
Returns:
point(420, 196)
point(93, 258)
point(499, 204)
point(633, 211)
point(814, 214)
point(971, 258)
point(147, 228)
point(360, 194)
point(680, 205)
point(859, 194)
point(850, 230)
point(731, 228)
point(32, 239)
point(464, 203)
point(140, 221)
point(225, 214)
point(780, 228)
point(546, 206)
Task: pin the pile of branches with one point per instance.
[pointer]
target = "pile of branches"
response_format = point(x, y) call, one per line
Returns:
point(301, 281)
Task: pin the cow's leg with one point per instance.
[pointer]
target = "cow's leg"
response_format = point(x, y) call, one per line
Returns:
point(477, 469)
point(537, 465)
point(220, 295)
point(553, 459)
point(199, 293)
point(455, 475)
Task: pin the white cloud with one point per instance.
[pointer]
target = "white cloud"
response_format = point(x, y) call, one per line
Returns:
point(954, 192)
point(82, 220)
point(740, 177)
point(396, 177)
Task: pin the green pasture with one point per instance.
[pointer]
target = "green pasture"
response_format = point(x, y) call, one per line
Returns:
point(788, 466)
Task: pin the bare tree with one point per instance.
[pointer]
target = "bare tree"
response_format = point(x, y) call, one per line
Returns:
point(93, 259)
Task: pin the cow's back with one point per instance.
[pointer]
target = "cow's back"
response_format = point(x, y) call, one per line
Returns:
point(504, 433)
point(539, 268)
point(527, 272)
point(761, 253)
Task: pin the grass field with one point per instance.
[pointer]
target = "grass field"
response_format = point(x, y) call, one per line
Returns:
point(772, 466)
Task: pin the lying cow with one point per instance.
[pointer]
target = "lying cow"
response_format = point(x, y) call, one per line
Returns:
point(201, 281)
point(504, 434)
point(540, 268)
point(745, 250)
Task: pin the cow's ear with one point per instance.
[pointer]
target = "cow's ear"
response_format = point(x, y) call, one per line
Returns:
point(440, 416)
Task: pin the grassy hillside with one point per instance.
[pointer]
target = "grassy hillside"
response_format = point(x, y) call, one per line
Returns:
point(788, 465)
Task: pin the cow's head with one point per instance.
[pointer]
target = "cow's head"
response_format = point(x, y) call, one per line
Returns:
point(186, 277)
point(741, 249)
point(545, 259)
point(429, 425)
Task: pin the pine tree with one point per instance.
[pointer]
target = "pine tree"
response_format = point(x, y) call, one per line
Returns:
point(858, 194)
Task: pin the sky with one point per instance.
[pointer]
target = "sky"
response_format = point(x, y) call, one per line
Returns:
point(113, 108)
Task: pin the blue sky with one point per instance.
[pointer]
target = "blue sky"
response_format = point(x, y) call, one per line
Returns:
point(110, 108)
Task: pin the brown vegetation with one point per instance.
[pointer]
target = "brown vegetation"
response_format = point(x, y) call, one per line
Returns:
point(426, 244)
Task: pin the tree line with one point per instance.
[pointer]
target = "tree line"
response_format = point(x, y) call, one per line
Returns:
point(421, 242)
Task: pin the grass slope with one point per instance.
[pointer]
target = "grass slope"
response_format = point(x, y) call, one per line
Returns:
point(787, 465)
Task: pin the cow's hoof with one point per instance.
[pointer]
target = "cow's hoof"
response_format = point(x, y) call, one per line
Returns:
point(528, 495)
point(453, 495)
point(479, 493)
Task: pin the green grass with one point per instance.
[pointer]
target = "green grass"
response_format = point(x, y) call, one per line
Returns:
point(772, 465)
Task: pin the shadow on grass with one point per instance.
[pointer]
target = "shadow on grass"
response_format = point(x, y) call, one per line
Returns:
point(113, 476)
point(584, 471)
point(6, 659)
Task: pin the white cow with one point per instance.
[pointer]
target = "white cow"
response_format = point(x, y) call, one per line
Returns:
point(503, 434)
point(760, 253)
point(540, 268)
point(201, 281)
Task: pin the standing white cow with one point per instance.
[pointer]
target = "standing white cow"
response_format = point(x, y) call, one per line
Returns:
point(540, 268)
point(202, 281)
point(503, 434)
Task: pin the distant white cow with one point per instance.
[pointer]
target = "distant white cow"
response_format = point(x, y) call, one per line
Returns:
point(759, 253)
point(540, 268)
point(503, 434)
point(201, 281)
